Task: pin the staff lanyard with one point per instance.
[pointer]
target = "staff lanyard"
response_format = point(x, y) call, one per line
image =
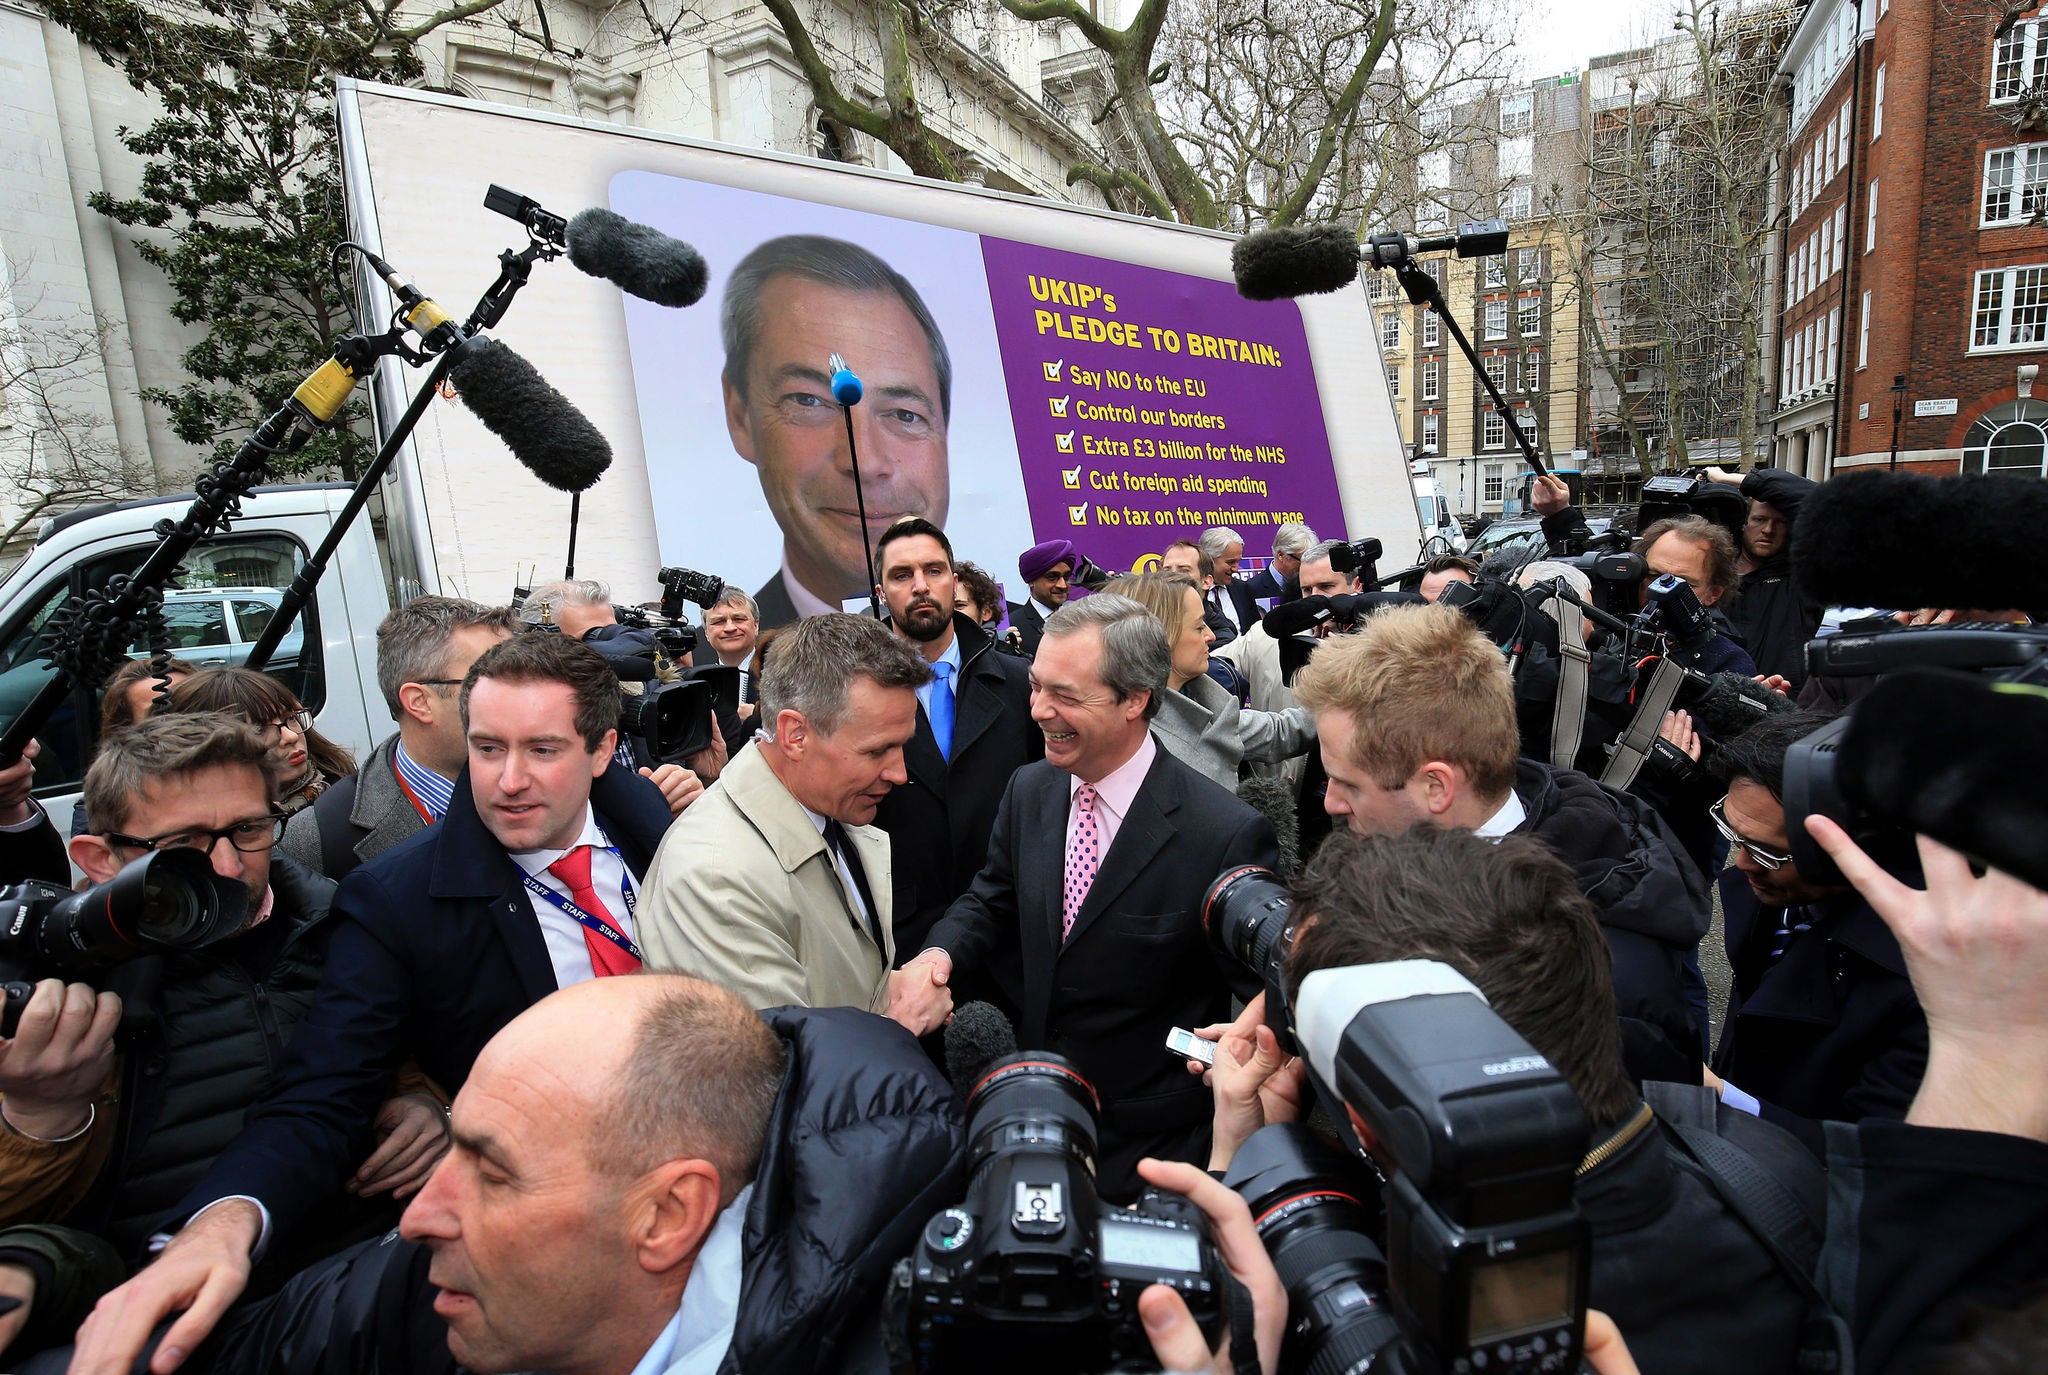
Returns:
point(583, 918)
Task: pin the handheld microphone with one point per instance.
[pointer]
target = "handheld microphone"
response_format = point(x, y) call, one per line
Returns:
point(847, 391)
point(846, 387)
point(1728, 703)
point(1274, 264)
point(638, 259)
point(978, 1036)
point(544, 431)
point(1297, 617)
point(1904, 541)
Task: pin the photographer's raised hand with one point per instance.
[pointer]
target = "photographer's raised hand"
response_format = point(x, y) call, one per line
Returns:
point(1254, 1082)
point(1977, 952)
point(60, 1054)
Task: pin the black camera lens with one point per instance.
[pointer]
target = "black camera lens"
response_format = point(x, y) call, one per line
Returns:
point(1308, 1203)
point(1032, 1102)
point(167, 900)
point(1249, 918)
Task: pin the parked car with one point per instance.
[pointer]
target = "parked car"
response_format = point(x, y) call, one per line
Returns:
point(217, 625)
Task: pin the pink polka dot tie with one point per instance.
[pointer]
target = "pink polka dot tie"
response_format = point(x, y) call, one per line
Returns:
point(1084, 855)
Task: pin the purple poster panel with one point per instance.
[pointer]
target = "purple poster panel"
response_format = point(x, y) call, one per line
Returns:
point(1149, 405)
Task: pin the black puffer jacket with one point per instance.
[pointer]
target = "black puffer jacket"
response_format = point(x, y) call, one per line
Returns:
point(866, 1143)
point(1652, 902)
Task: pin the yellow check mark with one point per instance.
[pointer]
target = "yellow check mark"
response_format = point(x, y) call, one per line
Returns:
point(1052, 369)
point(1059, 405)
point(1065, 442)
point(1072, 476)
point(1078, 515)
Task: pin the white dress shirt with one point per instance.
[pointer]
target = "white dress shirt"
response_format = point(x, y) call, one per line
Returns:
point(567, 951)
point(1503, 822)
point(818, 819)
point(695, 1340)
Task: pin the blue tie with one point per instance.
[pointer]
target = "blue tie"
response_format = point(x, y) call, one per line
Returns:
point(940, 708)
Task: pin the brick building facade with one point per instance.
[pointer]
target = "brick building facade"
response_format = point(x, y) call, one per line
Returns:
point(1942, 288)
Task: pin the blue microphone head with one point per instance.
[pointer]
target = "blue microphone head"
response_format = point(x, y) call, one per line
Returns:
point(846, 388)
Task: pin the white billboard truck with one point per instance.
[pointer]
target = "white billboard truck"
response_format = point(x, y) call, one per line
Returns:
point(1032, 371)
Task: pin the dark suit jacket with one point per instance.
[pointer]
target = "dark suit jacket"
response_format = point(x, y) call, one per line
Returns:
point(1829, 1031)
point(1247, 605)
point(434, 947)
point(367, 813)
point(1138, 963)
point(774, 604)
point(939, 823)
point(1030, 626)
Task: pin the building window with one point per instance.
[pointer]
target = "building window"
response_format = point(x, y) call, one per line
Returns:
point(1863, 335)
point(1432, 330)
point(1532, 371)
point(1834, 343)
point(1394, 380)
point(1841, 238)
point(2020, 61)
point(1497, 370)
point(1430, 431)
point(1528, 264)
point(1525, 420)
point(1529, 314)
point(1491, 490)
point(2015, 184)
point(1519, 203)
point(1514, 157)
point(1827, 247)
point(1517, 113)
point(1390, 329)
point(1877, 105)
point(1870, 222)
point(1493, 433)
point(1432, 373)
point(1785, 370)
point(2011, 309)
point(1496, 319)
point(1497, 271)
point(2010, 439)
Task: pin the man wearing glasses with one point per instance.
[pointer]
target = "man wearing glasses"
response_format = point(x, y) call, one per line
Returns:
point(97, 1142)
point(1822, 1021)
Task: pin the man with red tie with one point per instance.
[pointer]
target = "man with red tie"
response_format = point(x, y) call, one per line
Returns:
point(528, 884)
point(1095, 875)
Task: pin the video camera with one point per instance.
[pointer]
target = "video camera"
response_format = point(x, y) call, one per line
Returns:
point(1947, 744)
point(679, 585)
point(1487, 1258)
point(1030, 1272)
point(166, 901)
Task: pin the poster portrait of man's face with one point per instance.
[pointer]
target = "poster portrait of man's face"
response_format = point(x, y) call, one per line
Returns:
point(789, 305)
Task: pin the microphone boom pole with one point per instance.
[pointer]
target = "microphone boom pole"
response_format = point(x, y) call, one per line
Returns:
point(1423, 291)
point(847, 390)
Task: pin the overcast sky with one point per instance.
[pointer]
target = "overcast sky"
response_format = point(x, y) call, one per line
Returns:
point(1560, 35)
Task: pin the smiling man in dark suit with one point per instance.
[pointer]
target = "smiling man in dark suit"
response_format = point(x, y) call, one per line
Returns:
point(436, 944)
point(1096, 870)
point(974, 729)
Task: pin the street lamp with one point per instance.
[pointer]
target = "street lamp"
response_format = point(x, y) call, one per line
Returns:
point(1898, 409)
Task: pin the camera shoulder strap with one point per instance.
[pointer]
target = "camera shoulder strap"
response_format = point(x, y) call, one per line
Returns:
point(1765, 1208)
point(1568, 713)
point(1641, 736)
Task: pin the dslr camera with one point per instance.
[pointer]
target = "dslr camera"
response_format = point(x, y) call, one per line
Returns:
point(1031, 1272)
point(164, 902)
point(1485, 1260)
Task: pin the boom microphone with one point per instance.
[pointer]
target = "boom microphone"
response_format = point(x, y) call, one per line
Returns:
point(1277, 263)
point(976, 1038)
point(1904, 541)
point(639, 259)
point(539, 425)
point(1955, 757)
